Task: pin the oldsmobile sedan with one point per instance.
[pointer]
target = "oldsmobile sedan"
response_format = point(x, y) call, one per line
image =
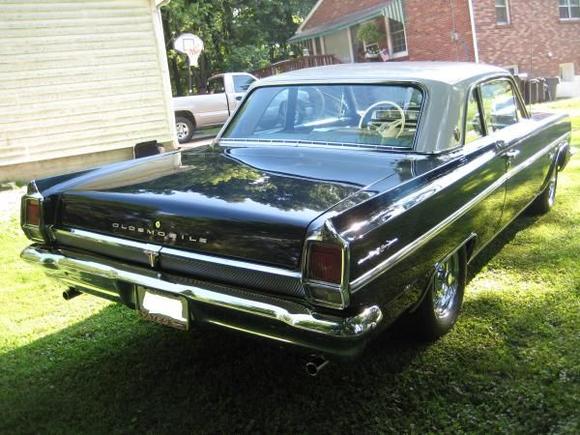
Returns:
point(334, 202)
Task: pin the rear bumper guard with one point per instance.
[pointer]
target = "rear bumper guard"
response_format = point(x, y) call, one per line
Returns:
point(282, 321)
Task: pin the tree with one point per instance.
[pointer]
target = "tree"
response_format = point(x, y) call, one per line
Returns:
point(239, 35)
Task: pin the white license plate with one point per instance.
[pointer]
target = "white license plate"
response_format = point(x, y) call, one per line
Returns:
point(161, 308)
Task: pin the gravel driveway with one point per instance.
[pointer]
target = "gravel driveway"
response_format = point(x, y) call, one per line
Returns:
point(10, 203)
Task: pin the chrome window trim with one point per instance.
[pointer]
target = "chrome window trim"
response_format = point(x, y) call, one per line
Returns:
point(476, 144)
point(520, 106)
point(118, 242)
point(249, 142)
point(378, 270)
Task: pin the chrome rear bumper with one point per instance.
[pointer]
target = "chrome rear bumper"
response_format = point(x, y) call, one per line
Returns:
point(256, 314)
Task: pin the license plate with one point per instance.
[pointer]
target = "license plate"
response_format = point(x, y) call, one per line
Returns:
point(161, 308)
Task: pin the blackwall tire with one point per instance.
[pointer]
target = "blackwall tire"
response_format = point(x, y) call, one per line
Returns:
point(546, 200)
point(184, 128)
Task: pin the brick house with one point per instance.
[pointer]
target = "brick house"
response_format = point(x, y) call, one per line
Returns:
point(535, 37)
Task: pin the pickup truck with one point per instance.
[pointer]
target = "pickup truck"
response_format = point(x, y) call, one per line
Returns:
point(224, 92)
point(335, 201)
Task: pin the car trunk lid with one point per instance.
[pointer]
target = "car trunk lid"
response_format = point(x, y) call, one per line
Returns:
point(244, 203)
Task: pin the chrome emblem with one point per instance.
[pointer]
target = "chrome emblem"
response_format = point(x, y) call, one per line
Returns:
point(152, 256)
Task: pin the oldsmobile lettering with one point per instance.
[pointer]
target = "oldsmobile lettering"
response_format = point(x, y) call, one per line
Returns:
point(167, 235)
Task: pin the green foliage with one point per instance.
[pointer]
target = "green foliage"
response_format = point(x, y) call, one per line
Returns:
point(511, 364)
point(239, 35)
point(249, 57)
point(369, 33)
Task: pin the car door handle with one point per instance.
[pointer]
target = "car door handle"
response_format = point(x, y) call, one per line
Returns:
point(239, 98)
point(511, 154)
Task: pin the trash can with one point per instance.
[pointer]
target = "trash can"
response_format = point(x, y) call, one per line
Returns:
point(534, 91)
point(542, 90)
point(552, 88)
point(531, 91)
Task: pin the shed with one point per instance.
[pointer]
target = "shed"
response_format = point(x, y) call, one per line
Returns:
point(81, 83)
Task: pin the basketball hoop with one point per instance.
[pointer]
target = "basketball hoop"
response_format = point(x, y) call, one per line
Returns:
point(191, 45)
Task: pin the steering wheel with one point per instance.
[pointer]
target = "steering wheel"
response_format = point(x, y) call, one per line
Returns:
point(386, 129)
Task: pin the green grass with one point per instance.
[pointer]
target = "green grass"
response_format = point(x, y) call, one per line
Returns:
point(511, 365)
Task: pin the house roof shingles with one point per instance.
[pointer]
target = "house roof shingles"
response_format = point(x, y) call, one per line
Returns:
point(331, 11)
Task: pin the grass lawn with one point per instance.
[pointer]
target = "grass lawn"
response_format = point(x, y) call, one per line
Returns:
point(512, 363)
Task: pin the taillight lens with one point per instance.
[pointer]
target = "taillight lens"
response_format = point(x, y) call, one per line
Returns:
point(325, 263)
point(32, 212)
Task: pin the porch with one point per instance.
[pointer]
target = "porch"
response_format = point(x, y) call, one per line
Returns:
point(376, 33)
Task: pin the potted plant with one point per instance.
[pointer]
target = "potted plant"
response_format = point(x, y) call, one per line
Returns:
point(369, 34)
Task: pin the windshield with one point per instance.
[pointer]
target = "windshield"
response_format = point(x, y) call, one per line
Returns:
point(379, 115)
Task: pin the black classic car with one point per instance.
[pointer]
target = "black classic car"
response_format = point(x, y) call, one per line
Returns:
point(335, 201)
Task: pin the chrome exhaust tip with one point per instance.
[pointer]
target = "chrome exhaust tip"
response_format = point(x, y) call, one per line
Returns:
point(315, 365)
point(70, 293)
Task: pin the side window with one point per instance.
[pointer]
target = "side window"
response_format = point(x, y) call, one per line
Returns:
point(500, 107)
point(473, 120)
point(242, 82)
point(216, 86)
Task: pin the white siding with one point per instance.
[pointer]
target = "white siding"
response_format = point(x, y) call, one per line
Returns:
point(80, 76)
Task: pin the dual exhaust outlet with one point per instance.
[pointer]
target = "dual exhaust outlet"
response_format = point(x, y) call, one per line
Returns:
point(315, 364)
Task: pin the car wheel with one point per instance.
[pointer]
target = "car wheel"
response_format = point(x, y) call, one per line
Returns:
point(546, 200)
point(442, 302)
point(184, 128)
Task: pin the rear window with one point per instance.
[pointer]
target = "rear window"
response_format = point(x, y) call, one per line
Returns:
point(380, 115)
point(242, 82)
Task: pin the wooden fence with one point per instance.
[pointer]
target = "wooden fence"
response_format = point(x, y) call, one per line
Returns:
point(295, 64)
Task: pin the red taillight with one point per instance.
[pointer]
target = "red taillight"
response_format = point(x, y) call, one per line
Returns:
point(32, 212)
point(325, 263)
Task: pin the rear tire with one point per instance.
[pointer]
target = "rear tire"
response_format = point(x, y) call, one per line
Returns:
point(184, 128)
point(545, 202)
point(442, 301)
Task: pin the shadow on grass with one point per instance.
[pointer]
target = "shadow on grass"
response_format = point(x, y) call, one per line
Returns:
point(115, 373)
point(494, 247)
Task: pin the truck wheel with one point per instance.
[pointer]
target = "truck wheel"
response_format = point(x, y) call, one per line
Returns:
point(441, 304)
point(184, 128)
point(544, 203)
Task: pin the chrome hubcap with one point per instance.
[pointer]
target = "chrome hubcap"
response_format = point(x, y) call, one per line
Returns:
point(445, 286)
point(182, 130)
point(552, 191)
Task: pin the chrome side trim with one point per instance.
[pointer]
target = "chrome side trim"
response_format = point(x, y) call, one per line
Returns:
point(117, 242)
point(378, 270)
point(306, 320)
